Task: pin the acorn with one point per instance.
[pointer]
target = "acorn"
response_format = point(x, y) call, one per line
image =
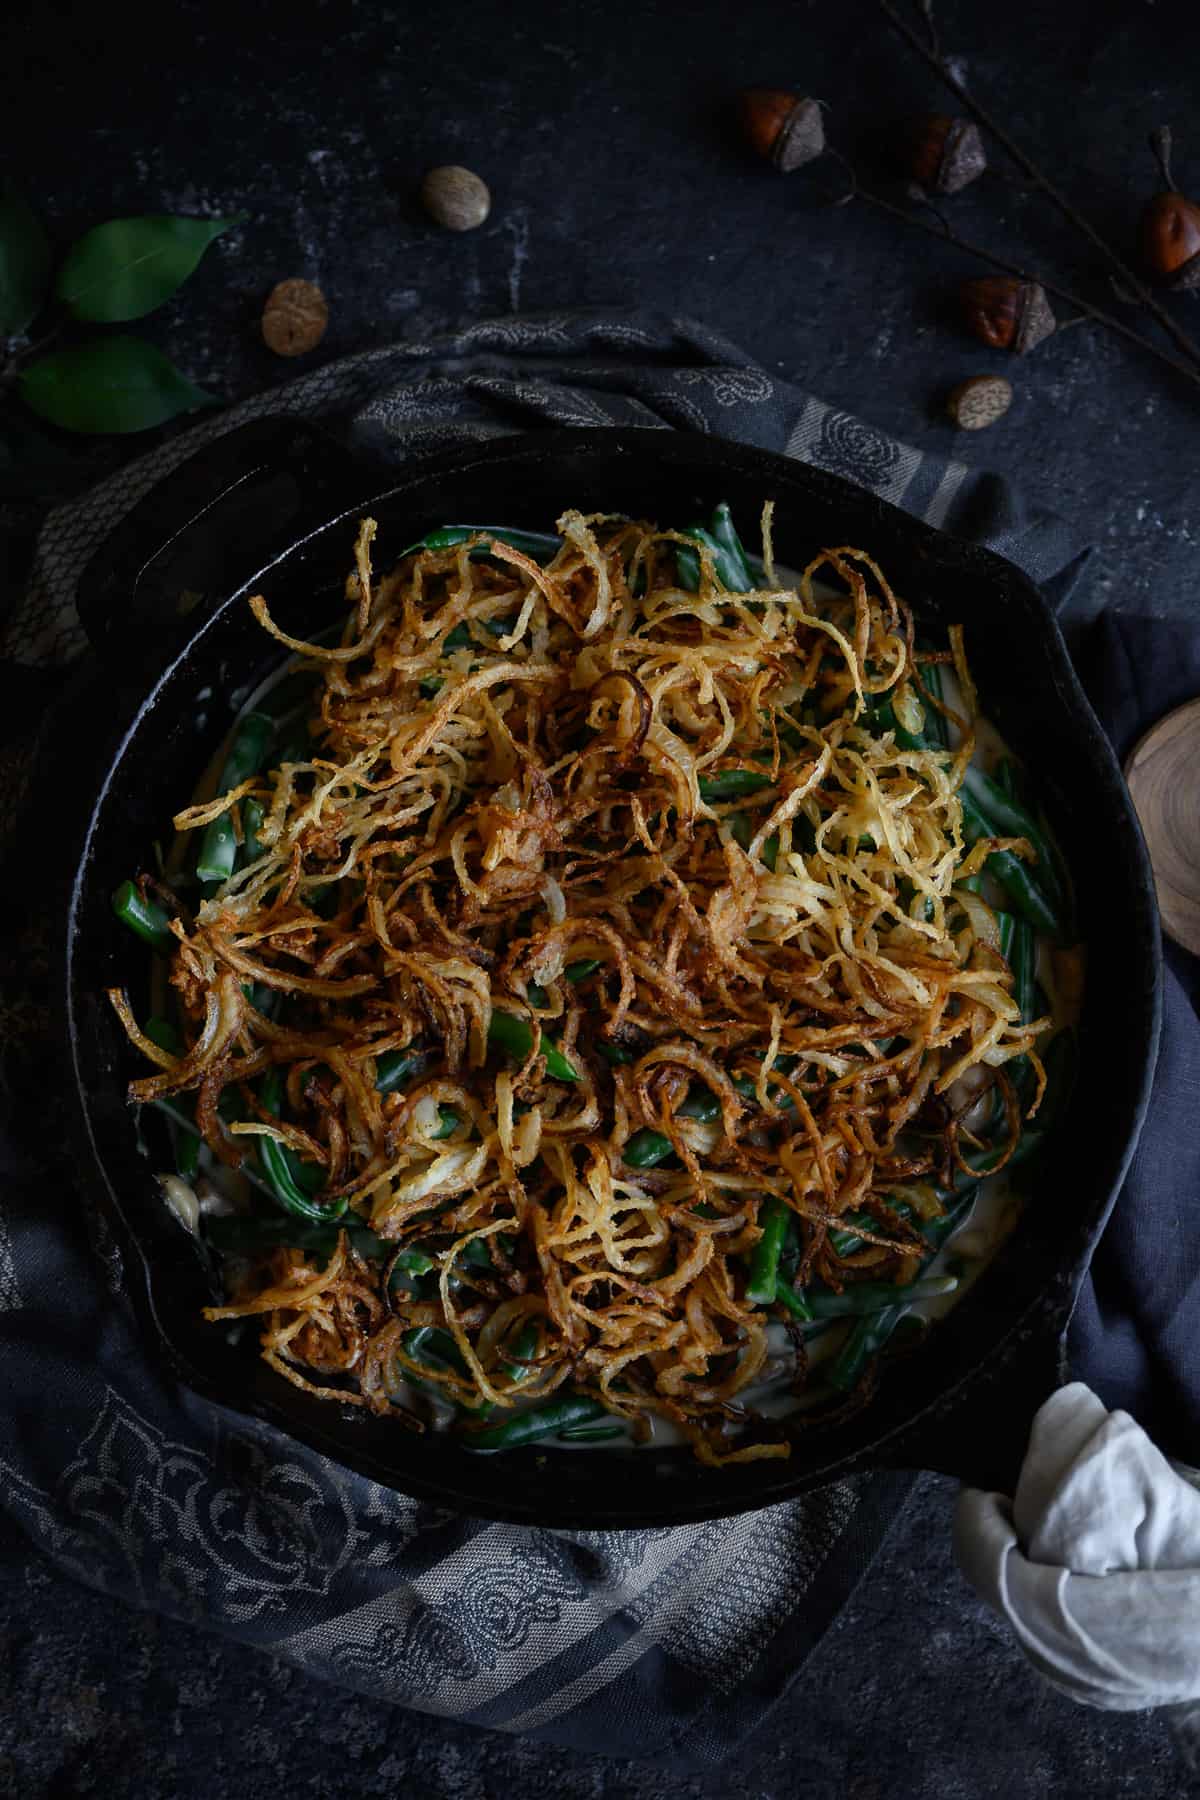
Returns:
point(943, 155)
point(784, 128)
point(1171, 225)
point(1007, 313)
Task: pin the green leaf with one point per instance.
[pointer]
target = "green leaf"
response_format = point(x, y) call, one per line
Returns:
point(126, 268)
point(24, 261)
point(112, 384)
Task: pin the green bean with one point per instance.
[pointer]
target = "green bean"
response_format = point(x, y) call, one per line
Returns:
point(936, 733)
point(613, 1053)
point(869, 1335)
point(579, 971)
point(793, 1301)
point(431, 1345)
point(1006, 925)
point(730, 562)
point(282, 1169)
point(478, 1253)
point(726, 784)
point(253, 816)
point(1011, 819)
point(522, 1348)
point(865, 1341)
point(394, 1067)
point(1017, 880)
point(218, 847)
point(847, 1242)
point(143, 916)
point(646, 1149)
point(515, 1036)
point(877, 1296)
point(240, 1233)
point(724, 535)
point(539, 545)
point(764, 1259)
point(882, 717)
point(591, 1434)
point(538, 1422)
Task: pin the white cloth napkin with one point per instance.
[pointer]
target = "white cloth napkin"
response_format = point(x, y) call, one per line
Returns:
point(1096, 1561)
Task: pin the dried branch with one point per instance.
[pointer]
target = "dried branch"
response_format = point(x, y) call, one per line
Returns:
point(946, 234)
point(1041, 180)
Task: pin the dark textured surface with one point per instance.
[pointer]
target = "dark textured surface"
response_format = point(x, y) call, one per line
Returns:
point(915, 1695)
point(616, 178)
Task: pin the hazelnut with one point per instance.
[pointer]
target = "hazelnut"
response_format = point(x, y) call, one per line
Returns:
point(1007, 313)
point(784, 128)
point(456, 197)
point(979, 402)
point(294, 318)
point(943, 155)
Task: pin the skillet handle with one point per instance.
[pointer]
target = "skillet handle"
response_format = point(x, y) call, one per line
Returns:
point(209, 526)
point(980, 1435)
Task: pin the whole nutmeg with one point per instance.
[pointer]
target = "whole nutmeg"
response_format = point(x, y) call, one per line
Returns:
point(979, 402)
point(784, 128)
point(1007, 313)
point(294, 318)
point(456, 197)
point(941, 154)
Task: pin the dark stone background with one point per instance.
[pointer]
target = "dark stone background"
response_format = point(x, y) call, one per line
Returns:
point(617, 175)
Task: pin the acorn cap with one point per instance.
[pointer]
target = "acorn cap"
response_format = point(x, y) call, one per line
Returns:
point(783, 127)
point(943, 154)
point(1036, 320)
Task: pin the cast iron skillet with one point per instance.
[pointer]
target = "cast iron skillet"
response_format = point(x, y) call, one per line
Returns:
point(274, 508)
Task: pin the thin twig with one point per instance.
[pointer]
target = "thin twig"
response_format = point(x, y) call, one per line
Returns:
point(1085, 307)
point(1043, 181)
point(16, 359)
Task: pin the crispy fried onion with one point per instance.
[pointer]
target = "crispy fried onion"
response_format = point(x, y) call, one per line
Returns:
point(568, 818)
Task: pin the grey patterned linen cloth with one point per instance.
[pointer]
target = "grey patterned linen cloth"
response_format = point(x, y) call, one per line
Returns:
point(664, 1644)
